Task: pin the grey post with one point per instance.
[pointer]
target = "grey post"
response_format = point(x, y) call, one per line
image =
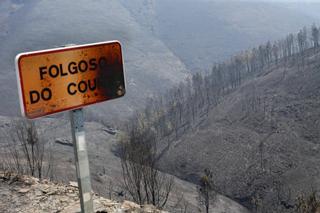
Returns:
point(81, 160)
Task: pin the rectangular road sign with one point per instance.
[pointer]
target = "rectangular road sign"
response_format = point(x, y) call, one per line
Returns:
point(61, 79)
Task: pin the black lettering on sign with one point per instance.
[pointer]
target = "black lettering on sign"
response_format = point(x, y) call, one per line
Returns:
point(46, 94)
point(83, 88)
point(62, 73)
point(93, 63)
point(71, 91)
point(54, 71)
point(42, 72)
point(72, 67)
point(82, 66)
point(36, 96)
point(92, 86)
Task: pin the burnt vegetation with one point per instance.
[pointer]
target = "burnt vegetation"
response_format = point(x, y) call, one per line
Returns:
point(166, 118)
point(141, 179)
point(26, 152)
point(206, 191)
point(183, 107)
point(186, 107)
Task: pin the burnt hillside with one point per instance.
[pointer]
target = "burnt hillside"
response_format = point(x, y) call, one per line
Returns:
point(260, 140)
point(253, 121)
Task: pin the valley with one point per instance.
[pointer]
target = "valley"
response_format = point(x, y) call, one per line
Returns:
point(226, 87)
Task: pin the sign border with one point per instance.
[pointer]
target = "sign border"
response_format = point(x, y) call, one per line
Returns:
point(54, 50)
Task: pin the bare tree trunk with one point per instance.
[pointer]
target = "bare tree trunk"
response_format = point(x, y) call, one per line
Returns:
point(141, 179)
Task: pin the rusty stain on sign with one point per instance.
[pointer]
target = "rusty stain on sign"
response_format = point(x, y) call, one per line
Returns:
point(56, 80)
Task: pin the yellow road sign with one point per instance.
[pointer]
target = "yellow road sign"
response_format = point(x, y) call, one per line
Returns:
point(56, 80)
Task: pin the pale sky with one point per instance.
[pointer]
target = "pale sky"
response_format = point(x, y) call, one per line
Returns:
point(293, 1)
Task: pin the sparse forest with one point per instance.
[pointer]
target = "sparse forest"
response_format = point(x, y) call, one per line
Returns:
point(26, 152)
point(166, 118)
point(220, 113)
point(183, 108)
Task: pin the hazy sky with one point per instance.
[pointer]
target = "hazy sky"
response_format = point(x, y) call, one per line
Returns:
point(295, 0)
point(300, 1)
point(273, 1)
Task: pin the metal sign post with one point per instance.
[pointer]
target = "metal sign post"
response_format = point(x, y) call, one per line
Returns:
point(81, 160)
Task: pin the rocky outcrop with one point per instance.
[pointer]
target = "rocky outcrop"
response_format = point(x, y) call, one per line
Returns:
point(29, 194)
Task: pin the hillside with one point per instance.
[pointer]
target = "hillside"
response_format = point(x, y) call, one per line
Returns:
point(253, 121)
point(105, 167)
point(202, 32)
point(163, 41)
point(261, 140)
point(42, 24)
point(31, 195)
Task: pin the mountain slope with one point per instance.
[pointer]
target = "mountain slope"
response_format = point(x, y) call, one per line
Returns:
point(105, 166)
point(158, 38)
point(262, 139)
point(202, 32)
point(41, 24)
